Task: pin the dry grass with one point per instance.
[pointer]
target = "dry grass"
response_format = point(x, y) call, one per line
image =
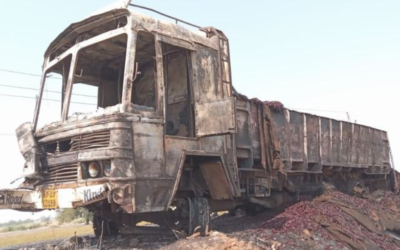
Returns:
point(35, 235)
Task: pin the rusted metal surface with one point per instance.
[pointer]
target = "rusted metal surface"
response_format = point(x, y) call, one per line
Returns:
point(310, 142)
point(158, 12)
point(169, 128)
point(222, 115)
point(17, 199)
point(62, 173)
point(67, 198)
point(307, 143)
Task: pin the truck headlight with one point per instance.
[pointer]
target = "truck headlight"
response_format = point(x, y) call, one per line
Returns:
point(94, 169)
point(107, 168)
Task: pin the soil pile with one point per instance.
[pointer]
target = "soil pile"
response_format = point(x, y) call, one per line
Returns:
point(331, 221)
point(334, 221)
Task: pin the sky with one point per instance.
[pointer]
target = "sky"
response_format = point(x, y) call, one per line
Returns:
point(321, 57)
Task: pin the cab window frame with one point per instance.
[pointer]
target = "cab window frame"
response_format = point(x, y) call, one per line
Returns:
point(190, 51)
point(137, 74)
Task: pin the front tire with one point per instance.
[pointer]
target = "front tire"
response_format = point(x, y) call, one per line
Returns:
point(199, 220)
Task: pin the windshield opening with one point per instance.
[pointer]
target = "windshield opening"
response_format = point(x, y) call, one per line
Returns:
point(144, 86)
point(99, 74)
point(53, 92)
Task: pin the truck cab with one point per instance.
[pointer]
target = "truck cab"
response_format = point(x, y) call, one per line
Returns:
point(141, 103)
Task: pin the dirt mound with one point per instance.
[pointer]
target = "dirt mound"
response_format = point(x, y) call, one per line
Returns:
point(335, 221)
point(331, 221)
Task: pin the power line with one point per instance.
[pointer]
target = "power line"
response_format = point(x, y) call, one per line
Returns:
point(50, 91)
point(29, 74)
point(35, 75)
point(25, 73)
point(19, 72)
point(29, 97)
point(20, 87)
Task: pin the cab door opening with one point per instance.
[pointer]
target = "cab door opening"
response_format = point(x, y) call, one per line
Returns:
point(179, 105)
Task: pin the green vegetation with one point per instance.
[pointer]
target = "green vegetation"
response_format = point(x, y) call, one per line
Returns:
point(22, 225)
point(78, 215)
point(22, 222)
point(75, 216)
point(46, 228)
point(12, 239)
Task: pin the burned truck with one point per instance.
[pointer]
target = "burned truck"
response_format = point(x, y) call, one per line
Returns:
point(169, 140)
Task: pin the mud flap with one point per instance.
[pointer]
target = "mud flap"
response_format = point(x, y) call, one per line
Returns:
point(217, 181)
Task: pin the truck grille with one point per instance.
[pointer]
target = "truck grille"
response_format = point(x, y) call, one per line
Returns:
point(90, 141)
point(62, 173)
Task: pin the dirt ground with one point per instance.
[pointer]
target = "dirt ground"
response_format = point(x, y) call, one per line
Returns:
point(331, 221)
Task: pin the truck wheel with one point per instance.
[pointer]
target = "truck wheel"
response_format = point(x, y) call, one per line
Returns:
point(199, 219)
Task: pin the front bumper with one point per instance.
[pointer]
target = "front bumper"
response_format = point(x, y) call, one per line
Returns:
point(32, 200)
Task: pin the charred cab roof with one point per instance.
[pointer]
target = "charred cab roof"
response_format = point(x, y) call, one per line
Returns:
point(139, 22)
